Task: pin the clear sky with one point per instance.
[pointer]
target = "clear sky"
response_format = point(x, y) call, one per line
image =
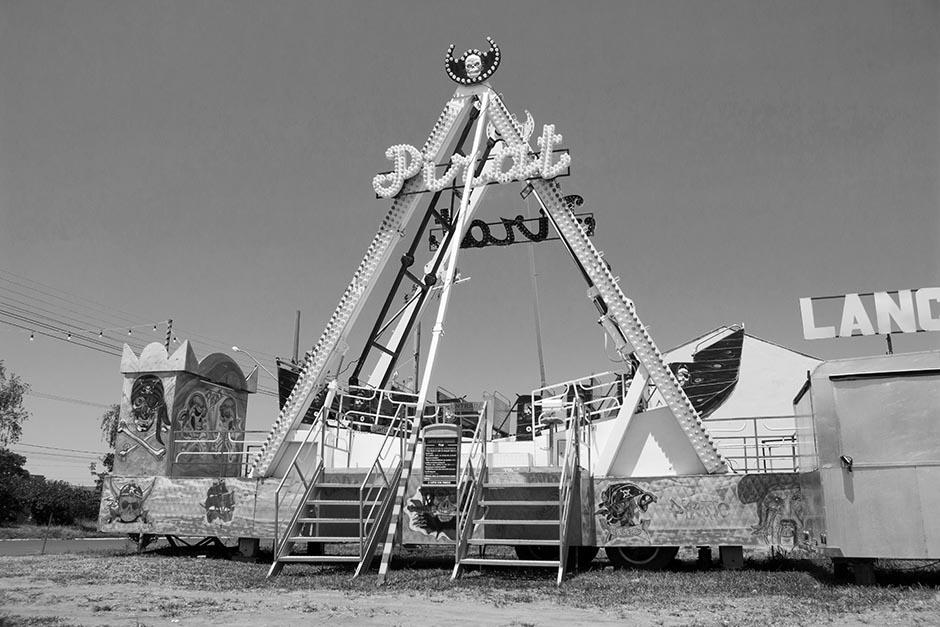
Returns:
point(211, 162)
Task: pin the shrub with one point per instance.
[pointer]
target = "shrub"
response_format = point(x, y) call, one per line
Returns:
point(14, 500)
point(60, 503)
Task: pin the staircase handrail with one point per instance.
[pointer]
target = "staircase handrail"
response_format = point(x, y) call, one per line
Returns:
point(394, 430)
point(317, 428)
point(467, 503)
point(379, 525)
point(281, 546)
point(569, 478)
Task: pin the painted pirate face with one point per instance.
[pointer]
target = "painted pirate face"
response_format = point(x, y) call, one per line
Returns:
point(146, 402)
point(228, 415)
point(197, 411)
point(127, 503)
point(780, 516)
point(443, 507)
point(624, 504)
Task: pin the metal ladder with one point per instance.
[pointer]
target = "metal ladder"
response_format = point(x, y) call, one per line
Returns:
point(534, 515)
point(348, 506)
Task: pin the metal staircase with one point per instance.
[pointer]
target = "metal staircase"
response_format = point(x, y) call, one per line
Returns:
point(350, 507)
point(532, 512)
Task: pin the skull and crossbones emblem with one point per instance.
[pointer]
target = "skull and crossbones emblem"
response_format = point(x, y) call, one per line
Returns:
point(473, 66)
point(126, 505)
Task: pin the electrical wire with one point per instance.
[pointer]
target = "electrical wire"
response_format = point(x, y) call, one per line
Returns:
point(52, 319)
point(58, 448)
point(66, 399)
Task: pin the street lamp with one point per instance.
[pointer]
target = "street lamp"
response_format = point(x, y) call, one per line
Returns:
point(252, 358)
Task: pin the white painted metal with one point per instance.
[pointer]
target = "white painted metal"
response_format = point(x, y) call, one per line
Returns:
point(332, 342)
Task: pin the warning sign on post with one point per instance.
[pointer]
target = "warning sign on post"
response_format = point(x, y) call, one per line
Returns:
point(441, 455)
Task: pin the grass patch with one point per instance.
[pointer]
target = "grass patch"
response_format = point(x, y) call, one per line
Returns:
point(13, 620)
point(766, 591)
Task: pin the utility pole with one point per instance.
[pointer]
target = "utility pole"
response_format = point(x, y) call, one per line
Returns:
point(296, 337)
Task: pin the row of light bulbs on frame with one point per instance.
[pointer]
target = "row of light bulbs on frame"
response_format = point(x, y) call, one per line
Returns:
point(68, 334)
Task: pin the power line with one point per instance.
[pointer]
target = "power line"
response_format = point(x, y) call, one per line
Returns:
point(64, 457)
point(53, 325)
point(57, 448)
point(68, 328)
point(71, 297)
point(52, 321)
point(66, 399)
point(56, 337)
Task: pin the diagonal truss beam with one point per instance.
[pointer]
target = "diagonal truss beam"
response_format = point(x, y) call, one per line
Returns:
point(332, 342)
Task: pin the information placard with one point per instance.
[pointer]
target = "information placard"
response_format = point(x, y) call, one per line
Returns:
point(441, 455)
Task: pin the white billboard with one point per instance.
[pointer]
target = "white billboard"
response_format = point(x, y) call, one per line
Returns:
point(877, 313)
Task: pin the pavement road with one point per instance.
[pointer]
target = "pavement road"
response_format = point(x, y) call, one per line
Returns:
point(53, 546)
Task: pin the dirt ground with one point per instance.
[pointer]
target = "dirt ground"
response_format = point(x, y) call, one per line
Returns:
point(198, 587)
point(28, 602)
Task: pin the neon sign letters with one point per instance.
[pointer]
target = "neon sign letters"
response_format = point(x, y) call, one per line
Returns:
point(409, 161)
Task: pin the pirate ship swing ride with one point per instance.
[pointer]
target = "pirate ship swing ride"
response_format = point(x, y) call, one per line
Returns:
point(621, 460)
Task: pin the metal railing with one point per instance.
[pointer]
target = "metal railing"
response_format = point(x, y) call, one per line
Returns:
point(374, 409)
point(469, 489)
point(369, 489)
point(305, 448)
point(757, 444)
point(237, 454)
point(570, 480)
point(601, 394)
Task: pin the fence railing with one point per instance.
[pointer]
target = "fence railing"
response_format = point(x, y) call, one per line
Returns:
point(602, 395)
point(296, 469)
point(470, 487)
point(757, 444)
point(369, 490)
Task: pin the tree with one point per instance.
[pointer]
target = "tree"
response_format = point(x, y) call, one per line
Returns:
point(11, 465)
point(109, 430)
point(14, 483)
point(12, 412)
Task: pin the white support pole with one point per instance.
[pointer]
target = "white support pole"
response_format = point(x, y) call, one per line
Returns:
point(462, 220)
point(467, 204)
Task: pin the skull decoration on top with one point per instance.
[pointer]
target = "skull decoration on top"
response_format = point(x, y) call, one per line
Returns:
point(473, 66)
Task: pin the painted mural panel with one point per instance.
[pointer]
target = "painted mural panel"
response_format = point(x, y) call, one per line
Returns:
point(190, 506)
point(144, 425)
point(208, 427)
point(771, 510)
point(431, 512)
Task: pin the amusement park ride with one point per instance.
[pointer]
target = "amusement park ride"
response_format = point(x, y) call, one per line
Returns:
point(351, 470)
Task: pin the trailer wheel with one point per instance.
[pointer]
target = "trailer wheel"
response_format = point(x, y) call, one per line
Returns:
point(642, 557)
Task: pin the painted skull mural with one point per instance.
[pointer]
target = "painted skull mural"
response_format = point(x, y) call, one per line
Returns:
point(623, 505)
point(147, 404)
point(126, 504)
point(194, 417)
point(209, 430)
point(433, 511)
